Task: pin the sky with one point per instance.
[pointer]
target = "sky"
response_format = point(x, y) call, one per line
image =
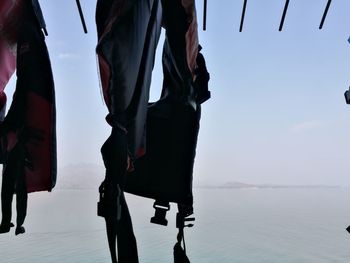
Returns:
point(277, 113)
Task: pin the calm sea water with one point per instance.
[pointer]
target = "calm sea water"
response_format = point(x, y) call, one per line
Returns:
point(242, 225)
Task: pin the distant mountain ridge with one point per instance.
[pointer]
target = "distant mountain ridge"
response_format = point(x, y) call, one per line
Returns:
point(239, 185)
point(89, 176)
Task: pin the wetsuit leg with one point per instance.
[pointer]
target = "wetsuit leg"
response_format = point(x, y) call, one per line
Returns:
point(21, 196)
point(118, 221)
point(127, 247)
point(111, 228)
point(114, 153)
point(14, 181)
point(7, 192)
point(15, 167)
point(122, 231)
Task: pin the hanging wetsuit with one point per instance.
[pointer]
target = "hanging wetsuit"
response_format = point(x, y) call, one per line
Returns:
point(28, 132)
point(128, 33)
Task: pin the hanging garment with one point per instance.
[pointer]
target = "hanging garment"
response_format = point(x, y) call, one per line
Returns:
point(28, 131)
point(128, 33)
point(10, 13)
point(32, 114)
point(160, 138)
point(165, 172)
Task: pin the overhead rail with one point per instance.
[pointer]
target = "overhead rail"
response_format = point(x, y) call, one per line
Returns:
point(205, 15)
point(243, 15)
point(81, 16)
point(285, 9)
point(325, 13)
point(283, 15)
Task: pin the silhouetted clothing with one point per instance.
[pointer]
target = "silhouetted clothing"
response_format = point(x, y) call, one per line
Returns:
point(179, 254)
point(113, 206)
point(13, 181)
point(122, 230)
point(128, 34)
point(28, 131)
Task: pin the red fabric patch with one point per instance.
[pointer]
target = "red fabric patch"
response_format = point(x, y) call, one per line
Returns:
point(10, 21)
point(7, 63)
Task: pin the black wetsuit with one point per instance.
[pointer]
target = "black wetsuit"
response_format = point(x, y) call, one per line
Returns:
point(31, 49)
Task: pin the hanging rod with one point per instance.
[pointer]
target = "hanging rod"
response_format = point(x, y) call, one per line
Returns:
point(205, 6)
point(205, 15)
point(81, 16)
point(325, 13)
point(243, 15)
point(284, 15)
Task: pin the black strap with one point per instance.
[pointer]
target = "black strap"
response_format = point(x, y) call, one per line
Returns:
point(179, 251)
point(112, 205)
point(181, 218)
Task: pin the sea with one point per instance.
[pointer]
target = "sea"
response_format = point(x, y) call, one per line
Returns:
point(232, 225)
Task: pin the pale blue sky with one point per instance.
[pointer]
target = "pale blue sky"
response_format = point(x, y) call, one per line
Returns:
point(277, 113)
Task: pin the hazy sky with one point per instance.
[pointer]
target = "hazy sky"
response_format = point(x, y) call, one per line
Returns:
point(277, 113)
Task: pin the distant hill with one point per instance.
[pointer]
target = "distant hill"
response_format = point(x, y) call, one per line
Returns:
point(90, 176)
point(239, 185)
point(228, 185)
